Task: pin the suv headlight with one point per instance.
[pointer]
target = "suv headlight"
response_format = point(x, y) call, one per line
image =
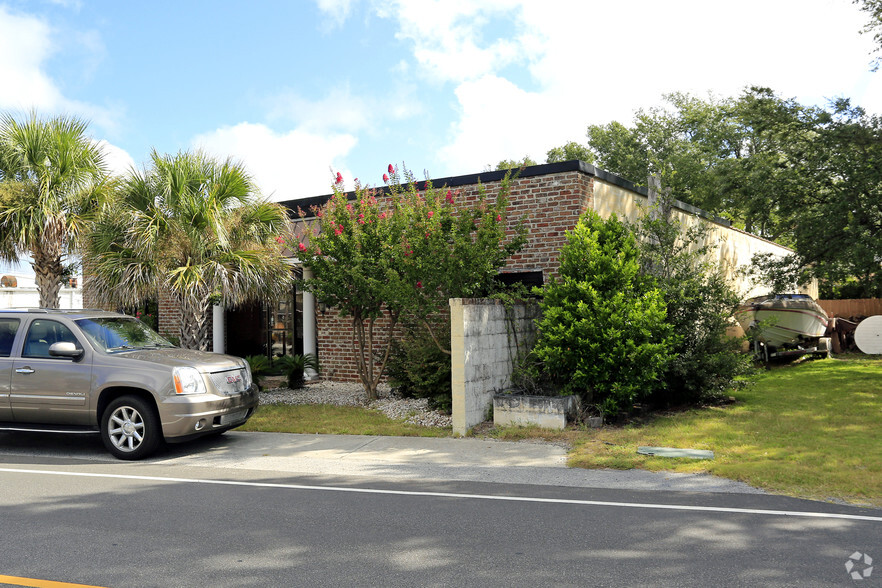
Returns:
point(188, 380)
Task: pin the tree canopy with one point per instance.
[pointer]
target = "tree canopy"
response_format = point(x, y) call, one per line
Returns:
point(192, 226)
point(803, 176)
point(52, 177)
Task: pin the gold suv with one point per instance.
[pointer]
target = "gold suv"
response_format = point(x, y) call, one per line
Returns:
point(93, 371)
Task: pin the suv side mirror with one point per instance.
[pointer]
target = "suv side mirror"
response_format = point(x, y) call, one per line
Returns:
point(64, 349)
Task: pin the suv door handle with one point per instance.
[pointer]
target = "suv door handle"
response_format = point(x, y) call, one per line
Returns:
point(24, 370)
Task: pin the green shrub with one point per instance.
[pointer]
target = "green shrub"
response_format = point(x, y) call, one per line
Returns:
point(700, 304)
point(603, 332)
point(417, 368)
point(259, 365)
point(294, 366)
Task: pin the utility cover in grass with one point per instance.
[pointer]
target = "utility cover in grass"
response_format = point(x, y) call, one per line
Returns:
point(674, 452)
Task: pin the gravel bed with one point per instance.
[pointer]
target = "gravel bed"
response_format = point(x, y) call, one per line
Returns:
point(412, 410)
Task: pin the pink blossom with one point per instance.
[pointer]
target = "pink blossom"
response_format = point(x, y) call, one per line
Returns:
point(279, 239)
point(349, 207)
point(498, 217)
point(419, 284)
point(431, 213)
point(391, 169)
point(318, 213)
point(339, 178)
point(382, 215)
point(302, 247)
point(449, 197)
point(385, 178)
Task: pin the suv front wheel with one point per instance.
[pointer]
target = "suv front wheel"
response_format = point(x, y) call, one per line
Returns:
point(130, 428)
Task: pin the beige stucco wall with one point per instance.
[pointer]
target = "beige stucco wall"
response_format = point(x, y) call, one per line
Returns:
point(734, 248)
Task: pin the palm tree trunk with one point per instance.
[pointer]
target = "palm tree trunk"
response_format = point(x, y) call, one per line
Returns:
point(194, 322)
point(47, 270)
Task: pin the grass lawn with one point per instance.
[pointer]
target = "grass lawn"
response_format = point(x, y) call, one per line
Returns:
point(333, 420)
point(812, 429)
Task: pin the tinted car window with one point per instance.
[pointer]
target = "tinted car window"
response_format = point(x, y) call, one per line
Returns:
point(120, 334)
point(42, 334)
point(8, 329)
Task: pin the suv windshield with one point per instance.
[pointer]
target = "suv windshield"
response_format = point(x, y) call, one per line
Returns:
point(115, 334)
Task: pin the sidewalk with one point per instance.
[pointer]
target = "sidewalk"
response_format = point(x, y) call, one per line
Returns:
point(426, 458)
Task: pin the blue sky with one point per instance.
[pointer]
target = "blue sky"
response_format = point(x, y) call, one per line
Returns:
point(296, 89)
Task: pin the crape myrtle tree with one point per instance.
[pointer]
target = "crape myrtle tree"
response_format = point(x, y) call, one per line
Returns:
point(52, 178)
point(381, 256)
point(194, 227)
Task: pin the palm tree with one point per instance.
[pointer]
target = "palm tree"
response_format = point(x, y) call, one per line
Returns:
point(52, 174)
point(195, 228)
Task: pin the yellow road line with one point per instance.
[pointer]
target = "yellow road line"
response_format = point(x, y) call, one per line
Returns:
point(32, 583)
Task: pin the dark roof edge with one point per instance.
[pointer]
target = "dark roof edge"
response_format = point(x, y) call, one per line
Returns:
point(544, 169)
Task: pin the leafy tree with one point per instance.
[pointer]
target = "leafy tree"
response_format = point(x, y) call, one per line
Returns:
point(569, 152)
point(603, 333)
point(804, 177)
point(699, 304)
point(507, 164)
point(727, 156)
point(837, 219)
point(194, 227)
point(52, 176)
point(873, 8)
point(402, 256)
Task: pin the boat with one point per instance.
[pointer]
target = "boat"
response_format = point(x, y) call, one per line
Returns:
point(784, 324)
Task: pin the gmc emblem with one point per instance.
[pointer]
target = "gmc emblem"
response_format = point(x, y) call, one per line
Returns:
point(234, 379)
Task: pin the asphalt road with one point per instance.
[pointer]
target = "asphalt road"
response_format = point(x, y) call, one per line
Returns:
point(264, 510)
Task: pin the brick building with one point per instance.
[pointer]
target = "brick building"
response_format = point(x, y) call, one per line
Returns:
point(550, 196)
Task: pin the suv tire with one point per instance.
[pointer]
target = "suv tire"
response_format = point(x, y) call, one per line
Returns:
point(130, 428)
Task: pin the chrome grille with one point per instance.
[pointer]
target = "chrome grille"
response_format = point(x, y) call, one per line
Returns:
point(229, 381)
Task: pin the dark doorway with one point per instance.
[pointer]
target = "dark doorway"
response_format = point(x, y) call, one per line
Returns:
point(272, 328)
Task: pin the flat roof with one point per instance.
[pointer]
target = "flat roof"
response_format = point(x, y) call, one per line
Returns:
point(529, 171)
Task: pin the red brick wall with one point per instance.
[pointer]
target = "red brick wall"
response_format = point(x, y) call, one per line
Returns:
point(552, 205)
point(169, 322)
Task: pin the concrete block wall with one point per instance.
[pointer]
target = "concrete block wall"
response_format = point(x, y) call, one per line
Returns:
point(484, 341)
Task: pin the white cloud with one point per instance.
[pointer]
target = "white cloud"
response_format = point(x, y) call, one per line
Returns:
point(118, 161)
point(26, 42)
point(339, 110)
point(592, 62)
point(285, 166)
point(448, 36)
point(336, 11)
point(498, 120)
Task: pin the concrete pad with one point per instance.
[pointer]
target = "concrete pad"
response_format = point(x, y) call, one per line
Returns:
point(676, 452)
point(425, 459)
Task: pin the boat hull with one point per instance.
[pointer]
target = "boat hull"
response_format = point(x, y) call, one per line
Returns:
point(782, 320)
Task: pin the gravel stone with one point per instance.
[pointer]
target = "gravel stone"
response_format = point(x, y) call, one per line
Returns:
point(412, 410)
